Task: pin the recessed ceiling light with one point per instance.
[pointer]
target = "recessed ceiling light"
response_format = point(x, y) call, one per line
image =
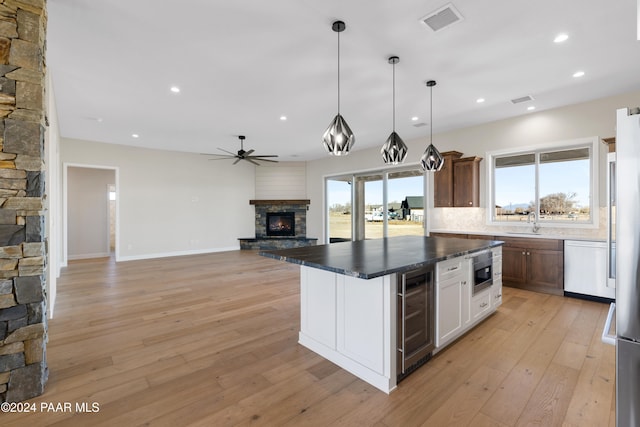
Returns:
point(414, 118)
point(562, 37)
point(283, 118)
point(135, 135)
point(480, 100)
point(531, 108)
point(578, 74)
point(175, 89)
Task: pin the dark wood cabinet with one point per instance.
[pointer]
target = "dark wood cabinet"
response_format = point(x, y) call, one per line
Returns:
point(443, 181)
point(534, 264)
point(466, 182)
point(457, 184)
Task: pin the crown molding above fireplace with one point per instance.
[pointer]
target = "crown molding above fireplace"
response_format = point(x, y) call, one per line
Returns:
point(280, 202)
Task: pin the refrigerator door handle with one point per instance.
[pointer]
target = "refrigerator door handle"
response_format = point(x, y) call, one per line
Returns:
point(607, 337)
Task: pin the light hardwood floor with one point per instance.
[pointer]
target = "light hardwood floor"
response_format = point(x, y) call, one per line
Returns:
point(211, 340)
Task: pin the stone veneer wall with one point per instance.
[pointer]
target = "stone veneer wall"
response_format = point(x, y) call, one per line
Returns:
point(23, 256)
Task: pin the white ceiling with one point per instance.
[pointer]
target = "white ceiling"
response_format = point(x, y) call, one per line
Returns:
point(242, 64)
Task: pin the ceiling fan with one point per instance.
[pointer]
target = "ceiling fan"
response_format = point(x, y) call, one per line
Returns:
point(243, 155)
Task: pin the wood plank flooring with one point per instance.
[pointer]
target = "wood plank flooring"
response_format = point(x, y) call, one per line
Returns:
point(211, 340)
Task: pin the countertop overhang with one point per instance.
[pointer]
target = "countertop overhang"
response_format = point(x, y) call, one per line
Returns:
point(367, 259)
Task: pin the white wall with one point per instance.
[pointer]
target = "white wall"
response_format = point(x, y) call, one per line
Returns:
point(172, 203)
point(88, 212)
point(53, 182)
point(595, 118)
point(284, 180)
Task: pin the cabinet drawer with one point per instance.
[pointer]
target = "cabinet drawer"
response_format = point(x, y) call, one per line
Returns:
point(450, 268)
point(534, 243)
point(480, 305)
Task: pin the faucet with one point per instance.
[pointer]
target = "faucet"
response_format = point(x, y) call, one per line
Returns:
point(536, 226)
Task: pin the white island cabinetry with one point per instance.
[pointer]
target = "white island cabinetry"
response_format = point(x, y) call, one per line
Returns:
point(457, 308)
point(356, 312)
point(351, 322)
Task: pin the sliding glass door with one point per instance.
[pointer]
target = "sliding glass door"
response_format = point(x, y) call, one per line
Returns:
point(375, 204)
point(338, 190)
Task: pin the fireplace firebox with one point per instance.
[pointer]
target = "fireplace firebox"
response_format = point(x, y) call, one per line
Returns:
point(281, 224)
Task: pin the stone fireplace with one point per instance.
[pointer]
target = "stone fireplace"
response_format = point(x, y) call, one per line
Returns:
point(23, 247)
point(279, 224)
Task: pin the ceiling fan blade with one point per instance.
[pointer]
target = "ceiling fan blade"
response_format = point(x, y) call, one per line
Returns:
point(251, 161)
point(223, 158)
point(229, 152)
point(237, 160)
point(265, 155)
point(264, 160)
point(248, 152)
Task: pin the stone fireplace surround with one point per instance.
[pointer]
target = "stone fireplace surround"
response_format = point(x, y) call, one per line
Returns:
point(263, 241)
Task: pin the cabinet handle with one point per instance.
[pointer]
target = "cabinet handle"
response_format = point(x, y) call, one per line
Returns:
point(528, 253)
point(523, 253)
point(484, 304)
point(498, 296)
point(452, 268)
point(464, 282)
point(470, 203)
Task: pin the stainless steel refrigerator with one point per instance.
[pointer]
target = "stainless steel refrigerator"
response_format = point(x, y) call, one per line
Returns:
point(627, 259)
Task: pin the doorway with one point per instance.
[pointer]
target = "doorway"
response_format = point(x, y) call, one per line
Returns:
point(90, 214)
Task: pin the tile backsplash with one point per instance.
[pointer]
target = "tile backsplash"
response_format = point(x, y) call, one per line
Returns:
point(470, 220)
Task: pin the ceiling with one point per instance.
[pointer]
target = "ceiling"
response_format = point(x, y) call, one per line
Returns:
point(242, 64)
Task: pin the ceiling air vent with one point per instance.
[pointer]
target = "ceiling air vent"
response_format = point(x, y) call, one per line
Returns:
point(522, 99)
point(419, 125)
point(442, 18)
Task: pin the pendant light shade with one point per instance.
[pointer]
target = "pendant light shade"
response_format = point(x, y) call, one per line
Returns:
point(394, 149)
point(338, 138)
point(431, 160)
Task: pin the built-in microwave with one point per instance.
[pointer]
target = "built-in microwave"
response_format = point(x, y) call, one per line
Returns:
point(482, 271)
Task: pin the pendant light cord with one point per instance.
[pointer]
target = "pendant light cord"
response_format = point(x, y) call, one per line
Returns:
point(338, 73)
point(394, 96)
point(431, 115)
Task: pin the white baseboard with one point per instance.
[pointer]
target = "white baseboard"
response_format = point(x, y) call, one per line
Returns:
point(176, 253)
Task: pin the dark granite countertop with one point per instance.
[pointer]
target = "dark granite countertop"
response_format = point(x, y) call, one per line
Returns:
point(367, 259)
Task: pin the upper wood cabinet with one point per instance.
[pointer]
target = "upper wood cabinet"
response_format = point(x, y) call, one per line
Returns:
point(466, 182)
point(443, 181)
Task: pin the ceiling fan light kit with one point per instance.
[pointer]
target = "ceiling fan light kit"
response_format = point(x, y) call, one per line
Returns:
point(338, 138)
point(394, 150)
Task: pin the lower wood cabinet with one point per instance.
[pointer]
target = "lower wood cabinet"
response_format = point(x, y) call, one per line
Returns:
point(534, 264)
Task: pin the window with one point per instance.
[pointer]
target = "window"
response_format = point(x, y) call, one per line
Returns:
point(556, 183)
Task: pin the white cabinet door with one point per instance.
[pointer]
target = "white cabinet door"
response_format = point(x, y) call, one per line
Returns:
point(318, 305)
point(453, 294)
point(363, 329)
point(449, 310)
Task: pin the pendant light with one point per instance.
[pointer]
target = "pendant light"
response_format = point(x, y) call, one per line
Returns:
point(431, 160)
point(338, 138)
point(394, 149)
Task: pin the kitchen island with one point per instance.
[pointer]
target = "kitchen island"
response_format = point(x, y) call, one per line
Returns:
point(350, 294)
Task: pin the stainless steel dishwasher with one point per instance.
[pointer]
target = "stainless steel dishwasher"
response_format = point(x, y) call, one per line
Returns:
point(416, 319)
